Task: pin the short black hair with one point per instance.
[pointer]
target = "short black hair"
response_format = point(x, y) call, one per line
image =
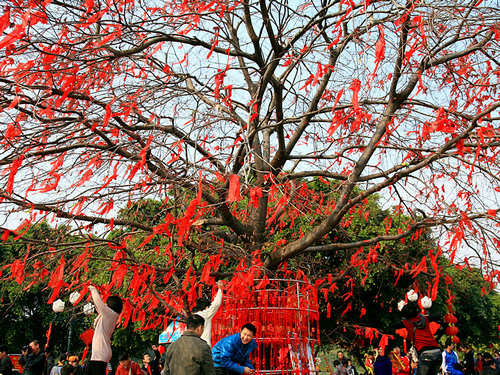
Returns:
point(194, 321)
point(67, 370)
point(250, 327)
point(336, 363)
point(124, 357)
point(115, 303)
point(3, 348)
point(410, 310)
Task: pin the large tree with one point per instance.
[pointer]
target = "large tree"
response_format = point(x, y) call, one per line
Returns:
point(224, 111)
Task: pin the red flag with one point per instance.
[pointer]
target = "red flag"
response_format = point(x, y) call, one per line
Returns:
point(380, 46)
point(255, 195)
point(49, 331)
point(4, 21)
point(234, 194)
point(355, 86)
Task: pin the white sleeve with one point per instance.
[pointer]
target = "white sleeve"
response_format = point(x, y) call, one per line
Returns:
point(211, 310)
point(96, 298)
point(443, 364)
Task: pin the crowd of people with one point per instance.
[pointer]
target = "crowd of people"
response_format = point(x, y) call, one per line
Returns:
point(395, 362)
point(425, 356)
point(189, 355)
point(192, 353)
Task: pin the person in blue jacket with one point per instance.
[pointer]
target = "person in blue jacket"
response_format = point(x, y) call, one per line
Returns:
point(382, 365)
point(231, 354)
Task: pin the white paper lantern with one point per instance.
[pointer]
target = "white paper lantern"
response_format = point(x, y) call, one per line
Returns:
point(412, 296)
point(88, 309)
point(426, 302)
point(58, 306)
point(401, 304)
point(73, 297)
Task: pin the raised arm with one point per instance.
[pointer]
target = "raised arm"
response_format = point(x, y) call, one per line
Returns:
point(100, 306)
point(211, 310)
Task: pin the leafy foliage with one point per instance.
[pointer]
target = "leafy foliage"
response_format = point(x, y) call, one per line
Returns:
point(173, 142)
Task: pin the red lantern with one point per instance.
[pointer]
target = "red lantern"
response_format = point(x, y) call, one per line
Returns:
point(451, 330)
point(450, 318)
point(455, 339)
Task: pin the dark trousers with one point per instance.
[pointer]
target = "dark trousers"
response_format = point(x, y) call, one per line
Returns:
point(223, 371)
point(96, 368)
point(429, 362)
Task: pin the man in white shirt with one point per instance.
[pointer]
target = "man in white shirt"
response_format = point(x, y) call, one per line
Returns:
point(208, 313)
point(104, 325)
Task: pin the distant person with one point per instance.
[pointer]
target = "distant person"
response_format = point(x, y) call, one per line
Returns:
point(208, 312)
point(231, 354)
point(450, 364)
point(50, 360)
point(478, 367)
point(190, 354)
point(56, 369)
point(414, 366)
point(149, 365)
point(338, 368)
point(5, 362)
point(489, 365)
point(369, 359)
point(400, 362)
point(73, 360)
point(382, 365)
point(127, 367)
point(33, 359)
point(341, 358)
point(159, 352)
point(468, 361)
point(497, 361)
point(104, 325)
point(351, 370)
point(419, 333)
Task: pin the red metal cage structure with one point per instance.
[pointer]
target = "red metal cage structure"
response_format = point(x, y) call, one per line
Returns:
point(285, 313)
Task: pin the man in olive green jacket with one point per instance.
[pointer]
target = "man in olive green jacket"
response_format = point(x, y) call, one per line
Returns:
point(190, 355)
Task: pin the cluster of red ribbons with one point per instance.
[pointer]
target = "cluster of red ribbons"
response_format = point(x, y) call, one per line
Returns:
point(285, 313)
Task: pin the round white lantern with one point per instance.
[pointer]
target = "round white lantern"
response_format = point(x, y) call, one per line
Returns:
point(401, 304)
point(412, 295)
point(88, 309)
point(426, 302)
point(58, 306)
point(73, 297)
